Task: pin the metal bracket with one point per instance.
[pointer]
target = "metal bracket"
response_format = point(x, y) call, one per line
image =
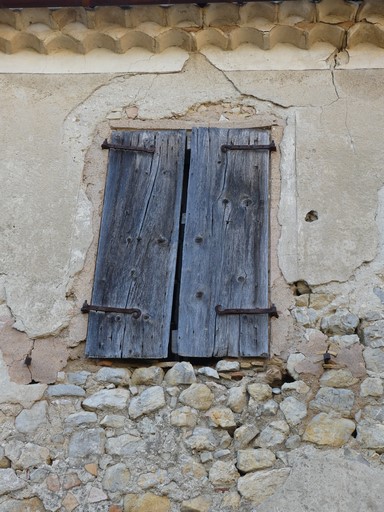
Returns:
point(108, 145)
point(272, 311)
point(86, 308)
point(250, 147)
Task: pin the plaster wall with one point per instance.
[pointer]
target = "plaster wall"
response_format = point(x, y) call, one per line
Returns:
point(327, 124)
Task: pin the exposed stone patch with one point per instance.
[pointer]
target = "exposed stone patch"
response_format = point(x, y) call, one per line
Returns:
point(327, 430)
point(259, 486)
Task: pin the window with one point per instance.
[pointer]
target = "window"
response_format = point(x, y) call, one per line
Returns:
point(183, 242)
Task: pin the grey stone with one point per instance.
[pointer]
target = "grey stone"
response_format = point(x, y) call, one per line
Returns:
point(227, 366)
point(96, 495)
point(257, 487)
point(374, 359)
point(269, 408)
point(371, 387)
point(31, 419)
point(260, 392)
point(32, 455)
point(371, 436)
point(340, 323)
point(78, 378)
point(113, 375)
point(331, 399)
point(293, 410)
point(113, 421)
point(150, 480)
point(237, 398)
point(9, 481)
point(87, 443)
point(374, 412)
point(181, 373)
point(201, 440)
point(124, 445)
point(244, 435)
point(298, 386)
point(338, 378)
point(117, 478)
point(80, 418)
point(65, 390)
point(252, 460)
point(373, 335)
point(184, 417)
point(292, 361)
point(107, 399)
point(345, 341)
point(208, 372)
point(223, 473)
point(307, 317)
point(151, 376)
point(293, 442)
point(198, 396)
point(148, 401)
point(275, 433)
point(219, 454)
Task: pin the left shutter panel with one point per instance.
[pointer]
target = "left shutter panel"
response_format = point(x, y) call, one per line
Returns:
point(137, 250)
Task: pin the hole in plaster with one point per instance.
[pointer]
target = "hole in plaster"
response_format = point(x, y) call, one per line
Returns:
point(311, 216)
point(301, 288)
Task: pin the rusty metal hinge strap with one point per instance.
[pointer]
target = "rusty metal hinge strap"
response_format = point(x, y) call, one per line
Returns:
point(249, 147)
point(86, 308)
point(108, 145)
point(272, 311)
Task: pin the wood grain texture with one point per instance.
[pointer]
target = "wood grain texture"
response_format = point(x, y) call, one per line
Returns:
point(137, 247)
point(225, 253)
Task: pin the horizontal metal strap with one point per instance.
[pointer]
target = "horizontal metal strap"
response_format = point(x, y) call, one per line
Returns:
point(108, 145)
point(249, 147)
point(272, 311)
point(86, 308)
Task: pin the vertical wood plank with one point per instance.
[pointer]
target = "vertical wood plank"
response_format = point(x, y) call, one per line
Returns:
point(137, 249)
point(225, 252)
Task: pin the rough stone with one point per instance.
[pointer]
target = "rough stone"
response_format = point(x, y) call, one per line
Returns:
point(92, 469)
point(227, 366)
point(151, 376)
point(78, 378)
point(324, 429)
point(275, 433)
point(80, 418)
point(371, 436)
point(113, 421)
point(24, 505)
point(338, 379)
point(53, 483)
point(223, 473)
point(307, 317)
point(332, 399)
point(345, 341)
point(148, 480)
point(341, 323)
point(119, 376)
point(70, 502)
point(237, 399)
point(146, 503)
point(221, 417)
point(198, 396)
point(260, 392)
point(293, 410)
point(373, 335)
point(124, 445)
point(31, 419)
point(96, 495)
point(184, 417)
point(116, 478)
point(208, 372)
point(374, 360)
point(292, 361)
point(86, 443)
point(150, 400)
point(70, 481)
point(299, 386)
point(181, 373)
point(107, 399)
point(65, 390)
point(371, 387)
point(259, 486)
point(202, 439)
point(9, 481)
point(244, 435)
point(252, 460)
point(199, 504)
point(32, 455)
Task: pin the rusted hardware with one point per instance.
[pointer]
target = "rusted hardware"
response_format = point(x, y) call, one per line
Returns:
point(250, 147)
point(272, 311)
point(86, 308)
point(108, 145)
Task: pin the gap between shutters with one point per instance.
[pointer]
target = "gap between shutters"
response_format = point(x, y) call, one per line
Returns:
point(221, 253)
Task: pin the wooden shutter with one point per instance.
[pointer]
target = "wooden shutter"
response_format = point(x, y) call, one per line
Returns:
point(225, 253)
point(137, 249)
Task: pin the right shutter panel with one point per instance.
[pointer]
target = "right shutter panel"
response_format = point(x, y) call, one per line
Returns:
point(225, 252)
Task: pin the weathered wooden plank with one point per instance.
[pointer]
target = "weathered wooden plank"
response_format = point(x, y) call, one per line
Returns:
point(225, 252)
point(137, 247)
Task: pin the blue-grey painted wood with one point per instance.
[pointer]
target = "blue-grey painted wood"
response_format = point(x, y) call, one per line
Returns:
point(137, 246)
point(225, 253)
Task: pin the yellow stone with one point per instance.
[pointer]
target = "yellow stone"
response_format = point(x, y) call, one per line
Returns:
point(146, 503)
